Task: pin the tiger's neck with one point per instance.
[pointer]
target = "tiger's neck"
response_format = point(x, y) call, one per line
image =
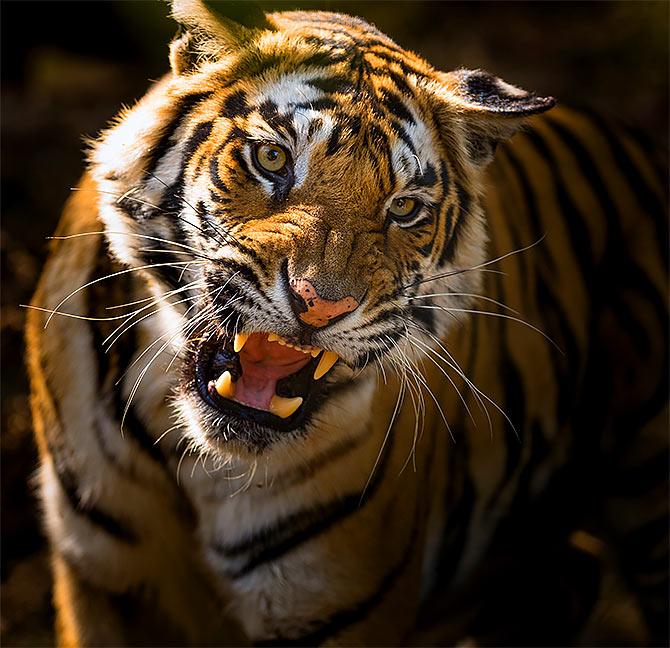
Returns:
point(267, 525)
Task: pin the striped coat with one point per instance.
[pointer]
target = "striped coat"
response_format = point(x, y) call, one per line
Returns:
point(501, 394)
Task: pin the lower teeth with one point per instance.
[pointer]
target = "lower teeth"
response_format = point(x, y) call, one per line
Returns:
point(279, 406)
point(284, 407)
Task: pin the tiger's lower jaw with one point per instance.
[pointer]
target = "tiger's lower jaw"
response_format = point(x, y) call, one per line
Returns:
point(254, 390)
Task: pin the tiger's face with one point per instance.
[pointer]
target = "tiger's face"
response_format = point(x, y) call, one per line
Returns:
point(306, 185)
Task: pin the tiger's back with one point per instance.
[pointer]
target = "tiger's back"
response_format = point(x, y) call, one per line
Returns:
point(582, 206)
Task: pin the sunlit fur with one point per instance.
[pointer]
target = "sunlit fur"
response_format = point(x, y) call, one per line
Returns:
point(509, 337)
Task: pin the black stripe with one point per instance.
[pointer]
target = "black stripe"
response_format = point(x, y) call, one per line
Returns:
point(214, 197)
point(398, 80)
point(325, 103)
point(427, 249)
point(235, 105)
point(115, 361)
point(401, 61)
point(531, 200)
point(399, 130)
point(68, 481)
point(414, 233)
point(587, 166)
point(522, 500)
point(379, 140)
point(242, 163)
point(260, 261)
point(270, 113)
point(572, 215)
point(568, 366)
point(425, 316)
point(96, 516)
point(551, 311)
point(323, 58)
point(214, 171)
point(334, 143)
point(314, 125)
point(185, 105)
point(139, 434)
point(515, 409)
point(453, 226)
point(303, 472)
point(509, 376)
point(247, 273)
point(566, 363)
point(334, 84)
point(426, 178)
point(396, 106)
point(638, 281)
point(459, 497)
point(198, 136)
point(625, 312)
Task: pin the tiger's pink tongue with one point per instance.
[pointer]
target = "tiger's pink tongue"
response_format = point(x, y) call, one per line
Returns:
point(263, 364)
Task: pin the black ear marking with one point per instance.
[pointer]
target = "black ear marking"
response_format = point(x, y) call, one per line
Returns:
point(486, 109)
point(485, 91)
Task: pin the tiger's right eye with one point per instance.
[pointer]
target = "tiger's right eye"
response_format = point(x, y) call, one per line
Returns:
point(271, 157)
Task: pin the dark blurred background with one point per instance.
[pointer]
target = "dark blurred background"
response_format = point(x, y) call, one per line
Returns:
point(68, 67)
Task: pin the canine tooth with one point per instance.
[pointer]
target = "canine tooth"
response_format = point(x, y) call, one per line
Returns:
point(328, 359)
point(315, 352)
point(273, 337)
point(240, 341)
point(225, 385)
point(284, 407)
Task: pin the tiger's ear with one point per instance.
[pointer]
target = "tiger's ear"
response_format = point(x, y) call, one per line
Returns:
point(488, 108)
point(210, 28)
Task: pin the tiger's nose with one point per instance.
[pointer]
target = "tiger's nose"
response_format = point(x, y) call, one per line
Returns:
point(314, 310)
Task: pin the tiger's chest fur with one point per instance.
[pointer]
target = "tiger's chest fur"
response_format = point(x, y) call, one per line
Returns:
point(497, 346)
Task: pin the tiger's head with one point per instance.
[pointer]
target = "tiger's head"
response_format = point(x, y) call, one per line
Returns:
point(296, 188)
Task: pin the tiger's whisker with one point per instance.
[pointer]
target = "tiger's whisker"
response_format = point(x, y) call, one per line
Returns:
point(461, 294)
point(116, 233)
point(493, 314)
point(55, 310)
point(479, 266)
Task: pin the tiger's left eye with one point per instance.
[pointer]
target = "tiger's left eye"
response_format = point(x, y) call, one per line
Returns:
point(271, 157)
point(404, 207)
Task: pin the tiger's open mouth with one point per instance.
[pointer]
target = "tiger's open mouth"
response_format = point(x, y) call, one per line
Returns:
point(262, 377)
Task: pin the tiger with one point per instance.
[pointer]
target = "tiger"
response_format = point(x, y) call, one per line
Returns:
point(334, 348)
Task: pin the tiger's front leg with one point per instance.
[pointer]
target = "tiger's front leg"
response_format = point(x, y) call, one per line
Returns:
point(121, 582)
